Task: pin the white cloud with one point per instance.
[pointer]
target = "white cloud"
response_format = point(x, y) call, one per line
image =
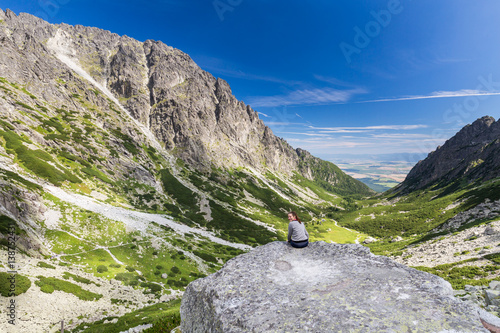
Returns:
point(437, 94)
point(306, 97)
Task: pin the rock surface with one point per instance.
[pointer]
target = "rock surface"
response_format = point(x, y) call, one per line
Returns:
point(324, 288)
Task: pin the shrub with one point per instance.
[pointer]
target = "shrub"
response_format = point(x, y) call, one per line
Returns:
point(153, 286)
point(102, 269)
point(175, 269)
point(205, 256)
point(76, 278)
point(165, 324)
point(45, 265)
point(127, 278)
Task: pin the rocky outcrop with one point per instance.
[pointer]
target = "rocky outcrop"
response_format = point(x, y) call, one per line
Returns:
point(194, 115)
point(487, 297)
point(324, 288)
point(486, 210)
point(473, 154)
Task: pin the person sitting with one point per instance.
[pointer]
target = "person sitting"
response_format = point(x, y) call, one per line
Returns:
point(297, 233)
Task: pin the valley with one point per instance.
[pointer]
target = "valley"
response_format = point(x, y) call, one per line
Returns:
point(378, 175)
point(127, 172)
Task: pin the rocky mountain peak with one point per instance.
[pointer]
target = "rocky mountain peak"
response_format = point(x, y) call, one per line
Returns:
point(471, 153)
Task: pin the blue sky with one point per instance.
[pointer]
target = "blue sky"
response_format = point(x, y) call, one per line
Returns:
point(332, 77)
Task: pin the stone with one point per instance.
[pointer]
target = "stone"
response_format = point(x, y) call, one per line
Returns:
point(492, 297)
point(489, 231)
point(324, 288)
point(369, 240)
point(396, 239)
point(494, 285)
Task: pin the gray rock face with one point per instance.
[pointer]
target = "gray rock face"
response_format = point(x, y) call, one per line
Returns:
point(486, 210)
point(324, 288)
point(473, 153)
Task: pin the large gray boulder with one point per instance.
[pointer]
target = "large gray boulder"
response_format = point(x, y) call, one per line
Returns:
point(324, 288)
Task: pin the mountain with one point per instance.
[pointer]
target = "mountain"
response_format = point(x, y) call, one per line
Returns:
point(192, 114)
point(473, 154)
point(127, 172)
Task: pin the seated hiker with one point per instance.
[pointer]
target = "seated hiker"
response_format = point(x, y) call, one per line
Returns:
point(297, 233)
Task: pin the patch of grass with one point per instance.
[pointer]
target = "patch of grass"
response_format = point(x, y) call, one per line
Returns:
point(7, 225)
point(77, 278)
point(49, 284)
point(205, 256)
point(45, 265)
point(74, 158)
point(97, 174)
point(26, 106)
point(146, 315)
point(20, 284)
point(128, 142)
point(36, 160)
point(165, 324)
point(328, 231)
point(458, 277)
point(127, 278)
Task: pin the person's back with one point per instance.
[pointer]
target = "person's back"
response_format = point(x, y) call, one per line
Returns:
point(297, 233)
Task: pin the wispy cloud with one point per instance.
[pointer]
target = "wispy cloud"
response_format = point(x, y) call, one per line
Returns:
point(307, 134)
point(315, 96)
point(402, 136)
point(283, 123)
point(354, 129)
point(437, 94)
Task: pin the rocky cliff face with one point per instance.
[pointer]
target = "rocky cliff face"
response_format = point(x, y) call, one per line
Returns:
point(193, 114)
point(472, 154)
point(324, 288)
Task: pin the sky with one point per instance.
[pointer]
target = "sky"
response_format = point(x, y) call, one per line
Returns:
point(332, 77)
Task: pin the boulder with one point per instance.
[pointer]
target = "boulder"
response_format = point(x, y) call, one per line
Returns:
point(492, 297)
point(489, 231)
point(369, 240)
point(324, 288)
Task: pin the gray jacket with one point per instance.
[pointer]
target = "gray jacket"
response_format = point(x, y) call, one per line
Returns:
point(297, 232)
